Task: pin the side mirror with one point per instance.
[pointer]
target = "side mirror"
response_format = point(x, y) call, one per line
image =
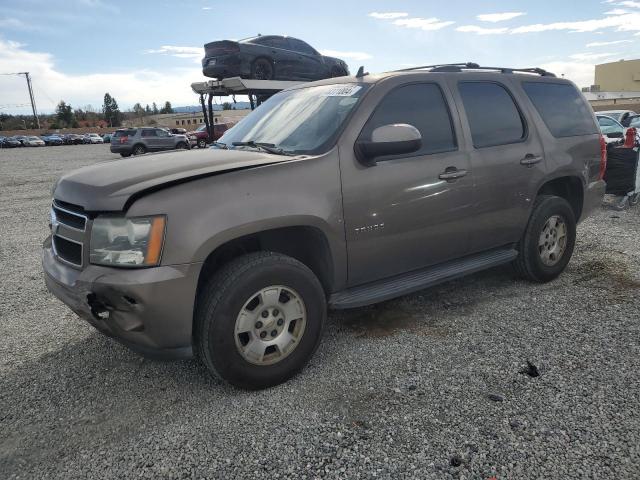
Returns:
point(615, 135)
point(393, 139)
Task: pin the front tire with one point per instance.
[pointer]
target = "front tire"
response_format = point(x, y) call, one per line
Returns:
point(181, 146)
point(262, 69)
point(202, 143)
point(259, 320)
point(548, 241)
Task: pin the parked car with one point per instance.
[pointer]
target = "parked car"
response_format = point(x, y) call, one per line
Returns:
point(21, 139)
point(33, 141)
point(621, 116)
point(200, 137)
point(92, 138)
point(633, 121)
point(52, 139)
point(72, 139)
point(106, 138)
point(136, 141)
point(348, 191)
point(269, 57)
point(614, 133)
point(11, 142)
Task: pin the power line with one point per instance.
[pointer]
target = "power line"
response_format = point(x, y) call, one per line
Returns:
point(31, 97)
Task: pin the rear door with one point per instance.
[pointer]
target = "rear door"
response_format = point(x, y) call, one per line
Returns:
point(399, 214)
point(150, 139)
point(506, 155)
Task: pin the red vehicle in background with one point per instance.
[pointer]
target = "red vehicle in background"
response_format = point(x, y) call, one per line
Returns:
point(200, 137)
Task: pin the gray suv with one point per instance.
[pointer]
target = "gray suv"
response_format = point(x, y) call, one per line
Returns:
point(136, 141)
point(339, 193)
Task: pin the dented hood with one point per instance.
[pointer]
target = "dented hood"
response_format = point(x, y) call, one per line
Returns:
point(113, 185)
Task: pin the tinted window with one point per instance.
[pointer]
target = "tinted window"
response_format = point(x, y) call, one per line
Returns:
point(300, 46)
point(122, 133)
point(276, 42)
point(493, 117)
point(562, 108)
point(161, 133)
point(148, 132)
point(424, 107)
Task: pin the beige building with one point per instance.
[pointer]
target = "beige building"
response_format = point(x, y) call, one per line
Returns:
point(188, 121)
point(621, 76)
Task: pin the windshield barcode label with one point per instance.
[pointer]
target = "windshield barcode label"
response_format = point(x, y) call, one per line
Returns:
point(341, 91)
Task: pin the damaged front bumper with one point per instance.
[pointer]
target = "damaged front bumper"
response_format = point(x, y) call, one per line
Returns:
point(150, 310)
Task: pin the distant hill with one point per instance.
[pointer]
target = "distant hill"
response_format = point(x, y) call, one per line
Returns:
point(198, 108)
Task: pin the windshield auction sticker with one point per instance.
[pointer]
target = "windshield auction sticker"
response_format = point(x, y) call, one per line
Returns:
point(342, 90)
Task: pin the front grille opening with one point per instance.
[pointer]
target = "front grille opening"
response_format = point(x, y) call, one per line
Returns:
point(67, 250)
point(69, 206)
point(66, 218)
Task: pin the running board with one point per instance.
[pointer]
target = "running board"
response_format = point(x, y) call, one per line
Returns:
point(404, 284)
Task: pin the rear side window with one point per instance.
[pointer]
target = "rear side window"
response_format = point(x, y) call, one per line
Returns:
point(561, 107)
point(494, 118)
point(124, 133)
point(421, 105)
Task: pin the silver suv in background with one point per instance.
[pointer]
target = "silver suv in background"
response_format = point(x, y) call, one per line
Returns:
point(136, 141)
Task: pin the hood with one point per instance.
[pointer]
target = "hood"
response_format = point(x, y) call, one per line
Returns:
point(113, 185)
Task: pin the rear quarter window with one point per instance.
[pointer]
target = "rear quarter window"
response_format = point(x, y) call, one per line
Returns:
point(562, 108)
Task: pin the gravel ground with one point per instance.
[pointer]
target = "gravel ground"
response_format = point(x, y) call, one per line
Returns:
point(426, 386)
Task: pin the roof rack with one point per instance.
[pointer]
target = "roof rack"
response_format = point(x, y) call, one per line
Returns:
point(459, 67)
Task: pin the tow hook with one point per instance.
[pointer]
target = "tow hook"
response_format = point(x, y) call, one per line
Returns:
point(98, 309)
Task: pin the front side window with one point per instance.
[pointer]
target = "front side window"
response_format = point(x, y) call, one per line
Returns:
point(147, 132)
point(609, 125)
point(300, 121)
point(562, 108)
point(162, 133)
point(494, 118)
point(421, 105)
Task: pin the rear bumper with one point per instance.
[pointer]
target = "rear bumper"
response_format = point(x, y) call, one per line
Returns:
point(593, 196)
point(117, 148)
point(149, 310)
point(226, 66)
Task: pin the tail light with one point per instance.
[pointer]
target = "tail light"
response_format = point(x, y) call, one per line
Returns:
point(124, 139)
point(603, 157)
point(630, 138)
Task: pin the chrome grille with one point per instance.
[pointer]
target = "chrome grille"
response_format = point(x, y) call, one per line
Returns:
point(68, 227)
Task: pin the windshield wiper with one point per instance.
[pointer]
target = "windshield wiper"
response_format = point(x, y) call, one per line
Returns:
point(267, 147)
point(220, 145)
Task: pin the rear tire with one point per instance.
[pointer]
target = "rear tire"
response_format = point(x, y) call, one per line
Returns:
point(231, 309)
point(548, 241)
point(139, 149)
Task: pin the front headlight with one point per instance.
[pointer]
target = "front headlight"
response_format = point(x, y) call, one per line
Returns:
point(127, 242)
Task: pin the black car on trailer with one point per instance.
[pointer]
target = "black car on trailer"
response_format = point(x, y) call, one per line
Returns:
point(269, 57)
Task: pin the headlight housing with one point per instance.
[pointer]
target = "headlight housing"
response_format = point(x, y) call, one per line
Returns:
point(127, 242)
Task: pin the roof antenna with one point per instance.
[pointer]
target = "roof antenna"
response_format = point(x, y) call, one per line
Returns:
point(361, 73)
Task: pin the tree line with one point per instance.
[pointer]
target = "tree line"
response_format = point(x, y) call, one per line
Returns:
point(66, 116)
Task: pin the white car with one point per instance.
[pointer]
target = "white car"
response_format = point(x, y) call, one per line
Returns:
point(33, 142)
point(613, 131)
point(93, 138)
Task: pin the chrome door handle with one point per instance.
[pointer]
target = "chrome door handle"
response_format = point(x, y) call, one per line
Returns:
point(452, 174)
point(530, 160)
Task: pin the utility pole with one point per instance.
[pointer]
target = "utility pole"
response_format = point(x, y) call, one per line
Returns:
point(33, 100)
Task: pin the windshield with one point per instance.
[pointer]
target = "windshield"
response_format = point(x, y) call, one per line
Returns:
point(301, 121)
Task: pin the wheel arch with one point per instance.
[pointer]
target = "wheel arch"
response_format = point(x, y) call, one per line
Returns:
point(570, 188)
point(263, 56)
point(306, 243)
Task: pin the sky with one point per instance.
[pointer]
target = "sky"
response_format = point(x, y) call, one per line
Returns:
point(146, 51)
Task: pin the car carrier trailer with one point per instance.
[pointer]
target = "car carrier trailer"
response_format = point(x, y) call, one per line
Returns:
point(256, 90)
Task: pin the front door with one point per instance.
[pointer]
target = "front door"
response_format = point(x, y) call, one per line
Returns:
point(407, 211)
